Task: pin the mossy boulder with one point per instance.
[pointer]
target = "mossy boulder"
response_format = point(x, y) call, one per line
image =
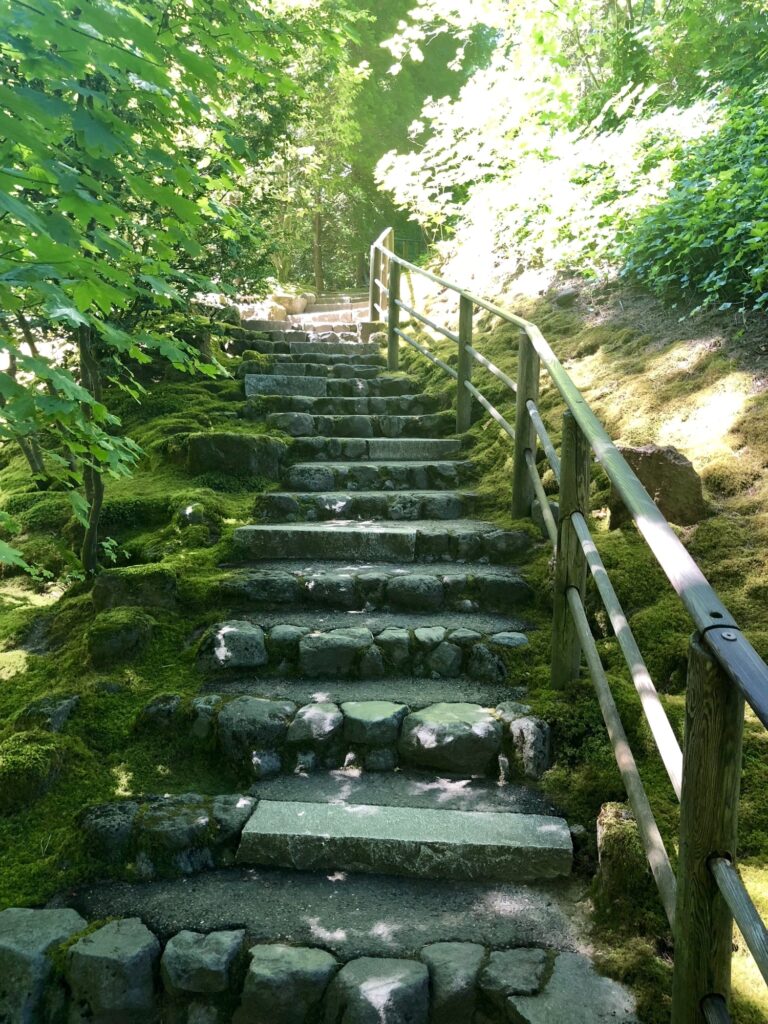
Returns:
point(242, 454)
point(623, 874)
point(149, 586)
point(29, 762)
point(119, 634)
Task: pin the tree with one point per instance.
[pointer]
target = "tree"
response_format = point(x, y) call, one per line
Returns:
point(121, 142)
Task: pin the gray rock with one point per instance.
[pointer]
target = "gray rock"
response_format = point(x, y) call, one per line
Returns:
point(229, 812)
point(445, 660)
point(510, 639)
point(296, 424)
point(415, 593)
point(372, 664)
point(485, 666)
point(510, 710)
point(566, 297)
point(453, 969)
point(26, 938)
point(265, 764)
point(284, 641)
point(669, 478)
point(315, 726)
point(464, 637)
point(530, 738)
point(380, 759)
point(428, 637)
point(204, 712)
point(171, 824)
point(236, 644)
point(373, 723)
point(577, 994)
point(248, 726)
point(161, 712)
point(395, 644)
point(372, 587)
point(109, 829)
point(262, 588)
point(51, 713)
point(513, 972)
point(284, 985)
point(148, 586)
point(462, 738)
point(111, 974)
point(241, 454)
point(372, 991)
point(334, 653)
point(195, 963)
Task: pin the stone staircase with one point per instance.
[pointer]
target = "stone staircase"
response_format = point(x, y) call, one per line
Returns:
point(390, 858)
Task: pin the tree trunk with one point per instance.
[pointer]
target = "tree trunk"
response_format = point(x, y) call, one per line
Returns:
point(92, 479)
point(317, 252)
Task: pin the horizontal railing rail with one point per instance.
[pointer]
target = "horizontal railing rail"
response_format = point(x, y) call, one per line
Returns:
point(707, 894)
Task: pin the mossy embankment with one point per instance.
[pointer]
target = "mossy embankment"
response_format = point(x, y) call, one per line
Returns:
point(698, 385)
point(171, 523)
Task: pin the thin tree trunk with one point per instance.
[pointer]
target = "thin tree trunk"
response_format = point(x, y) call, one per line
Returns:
point(92, 479)
point(29, 446)
point(317, 251)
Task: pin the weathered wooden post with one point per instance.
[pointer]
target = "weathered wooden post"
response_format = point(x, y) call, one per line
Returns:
point(463, 396)
point(393, 318)
point(570, 562)
point(714, 723)
point(374, 293)
point(525, 434)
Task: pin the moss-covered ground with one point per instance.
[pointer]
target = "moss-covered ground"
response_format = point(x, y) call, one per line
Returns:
point(663, 386)
point(672, 383)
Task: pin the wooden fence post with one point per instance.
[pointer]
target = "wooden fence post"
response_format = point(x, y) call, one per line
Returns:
point(393, 318)
point(525, 434)
point(570, 563)
point(374, 293)
point(463, 397)
point(714, 723)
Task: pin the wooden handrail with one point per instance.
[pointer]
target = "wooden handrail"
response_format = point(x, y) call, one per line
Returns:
point(736, 655)
point(723, 667)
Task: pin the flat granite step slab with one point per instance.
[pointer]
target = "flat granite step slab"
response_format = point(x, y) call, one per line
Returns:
point(379, 474)
point(284, 384)
point(298, 506)
point(361, 449)
point(351, 351)
point(407, 841)
point(304, 424)
point(412, 541)
point(349, 374)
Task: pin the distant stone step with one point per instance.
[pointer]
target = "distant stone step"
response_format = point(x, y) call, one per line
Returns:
point(297, 506)
point(415, 541)
point(295, 643)
point(287, 401)
point(353, 375)
point(318, 358)
point(335, 306)
point(304, 424)
point(359, 449)
point(407, 841)
point(350, 349)
point(441, 586)
point(376, 475)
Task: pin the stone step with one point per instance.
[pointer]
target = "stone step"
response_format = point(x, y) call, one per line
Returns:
point(401, 449)
point(256, 737)
point(408, 841)
point(307, 397)
point(370, 587)
point(316, 358)
point(415, 691)
point(335, 306)
point(304, 424)
point(351, 349)
point(414, 541)
point(351, 915)
point(356, 376)
point(315, 506)
point(315, 644)
point(378, 474)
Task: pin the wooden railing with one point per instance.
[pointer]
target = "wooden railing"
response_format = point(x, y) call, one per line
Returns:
point(706, 894)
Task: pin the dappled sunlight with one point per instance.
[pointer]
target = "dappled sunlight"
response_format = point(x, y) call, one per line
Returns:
point(13, 663)
point(123, 779)
point(322, 934)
